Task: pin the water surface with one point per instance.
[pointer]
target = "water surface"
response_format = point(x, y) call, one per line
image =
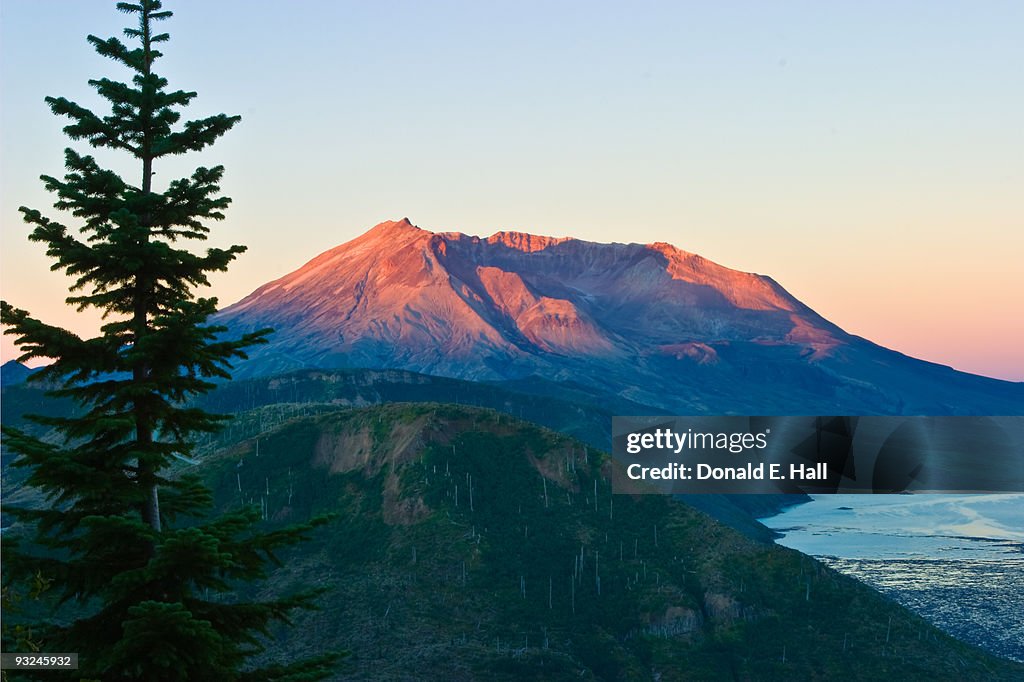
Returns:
point(958, 560)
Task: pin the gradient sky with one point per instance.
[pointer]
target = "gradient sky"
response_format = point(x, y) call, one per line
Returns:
point(867, 155)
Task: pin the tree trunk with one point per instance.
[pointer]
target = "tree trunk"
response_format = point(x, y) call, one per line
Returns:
point(143, 427)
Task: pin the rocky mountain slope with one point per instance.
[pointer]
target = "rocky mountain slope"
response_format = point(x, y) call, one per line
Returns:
point(652, 323)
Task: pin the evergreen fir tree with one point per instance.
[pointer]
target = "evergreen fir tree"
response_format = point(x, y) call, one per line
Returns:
point(145, 578)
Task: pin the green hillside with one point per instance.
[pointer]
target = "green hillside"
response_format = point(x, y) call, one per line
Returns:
point(561, 406)
point(471, 545)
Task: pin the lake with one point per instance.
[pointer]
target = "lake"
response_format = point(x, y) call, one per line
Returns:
point(958, 560)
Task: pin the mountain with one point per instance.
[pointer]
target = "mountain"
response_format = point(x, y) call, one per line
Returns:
point(473, 546)
point(649, 322)
point(13, 372)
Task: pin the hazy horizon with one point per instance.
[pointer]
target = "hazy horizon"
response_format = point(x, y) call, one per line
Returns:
point(869, 158)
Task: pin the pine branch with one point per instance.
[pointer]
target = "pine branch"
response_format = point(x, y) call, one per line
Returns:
point(196, 135)
point(98, 132)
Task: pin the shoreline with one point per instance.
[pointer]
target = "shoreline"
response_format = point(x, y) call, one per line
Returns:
point(970, 586)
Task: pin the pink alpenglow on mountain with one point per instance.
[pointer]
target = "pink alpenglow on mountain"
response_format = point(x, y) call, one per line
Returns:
point(651, 323)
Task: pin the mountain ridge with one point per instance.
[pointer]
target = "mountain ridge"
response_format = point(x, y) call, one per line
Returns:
point(478, 546)
point(658, 324)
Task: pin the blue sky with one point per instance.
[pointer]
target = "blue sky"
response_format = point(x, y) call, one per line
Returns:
point(869, 156)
